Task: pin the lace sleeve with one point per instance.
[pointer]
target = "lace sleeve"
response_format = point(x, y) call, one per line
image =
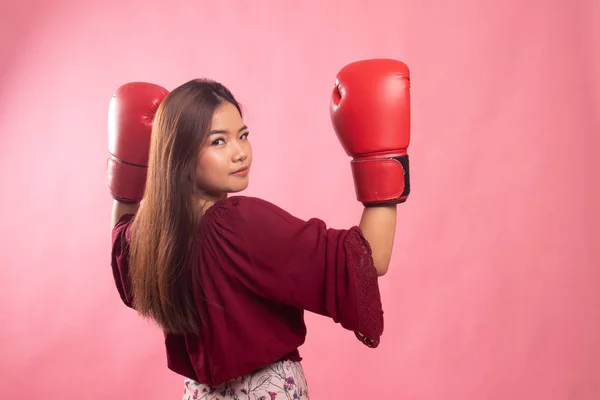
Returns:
point(120, 258)
point(368, 299)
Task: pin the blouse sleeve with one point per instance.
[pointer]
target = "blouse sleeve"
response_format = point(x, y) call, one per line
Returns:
point(120, 258)
point(302, 264)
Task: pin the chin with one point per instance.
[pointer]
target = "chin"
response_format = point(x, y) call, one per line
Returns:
point(236, 188)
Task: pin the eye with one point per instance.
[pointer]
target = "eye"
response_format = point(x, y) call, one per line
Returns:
point(217, 142)
point(244, 135)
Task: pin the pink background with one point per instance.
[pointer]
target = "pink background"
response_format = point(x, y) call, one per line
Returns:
point(494, 289)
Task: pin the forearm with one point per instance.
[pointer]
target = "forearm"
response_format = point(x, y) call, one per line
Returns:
point(119, 209)
point(378, 225)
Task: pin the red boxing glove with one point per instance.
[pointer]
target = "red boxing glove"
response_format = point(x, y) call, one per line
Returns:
point(130, 117)
point(370, 112)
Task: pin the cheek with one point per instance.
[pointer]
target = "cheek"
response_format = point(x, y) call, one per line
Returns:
point(210, 163)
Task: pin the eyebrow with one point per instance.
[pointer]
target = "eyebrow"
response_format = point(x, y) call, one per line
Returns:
point(221, 132)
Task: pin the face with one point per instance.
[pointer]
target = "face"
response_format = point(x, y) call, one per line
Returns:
point(223, 163)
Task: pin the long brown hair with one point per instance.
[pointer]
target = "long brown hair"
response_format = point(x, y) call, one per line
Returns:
point(163, 233)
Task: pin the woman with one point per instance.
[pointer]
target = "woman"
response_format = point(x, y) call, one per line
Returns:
point(227, 277)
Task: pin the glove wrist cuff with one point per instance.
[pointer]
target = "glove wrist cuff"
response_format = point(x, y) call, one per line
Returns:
point(381, 181)
point(126, 182)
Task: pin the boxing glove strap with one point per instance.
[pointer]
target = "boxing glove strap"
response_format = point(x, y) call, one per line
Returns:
point(381, 181)
point(126, 182)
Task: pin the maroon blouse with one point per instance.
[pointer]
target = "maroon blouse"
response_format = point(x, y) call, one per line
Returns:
point(260, 268)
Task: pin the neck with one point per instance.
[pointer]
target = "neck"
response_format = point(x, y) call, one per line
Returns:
point(206, 200)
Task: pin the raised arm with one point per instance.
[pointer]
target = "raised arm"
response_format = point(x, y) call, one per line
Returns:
point(119, 209)
point(378, 225)
point(130, 119)
point(370, 111)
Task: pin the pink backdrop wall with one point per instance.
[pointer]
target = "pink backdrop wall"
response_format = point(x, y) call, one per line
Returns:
point(494, 286)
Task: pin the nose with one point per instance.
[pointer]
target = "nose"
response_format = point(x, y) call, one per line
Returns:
point(240, 153)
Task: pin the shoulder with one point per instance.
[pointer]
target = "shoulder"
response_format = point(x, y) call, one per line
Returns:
point(253, 215)
point(246, 208)
point(246, 202)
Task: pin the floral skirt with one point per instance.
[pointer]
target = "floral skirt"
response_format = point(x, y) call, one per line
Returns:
point(282, 380)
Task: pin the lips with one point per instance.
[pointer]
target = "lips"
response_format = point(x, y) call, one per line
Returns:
point(243, 169)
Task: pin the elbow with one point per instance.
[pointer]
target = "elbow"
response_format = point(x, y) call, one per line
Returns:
point(381, 262)
point(381, 272)
point(382, 269)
